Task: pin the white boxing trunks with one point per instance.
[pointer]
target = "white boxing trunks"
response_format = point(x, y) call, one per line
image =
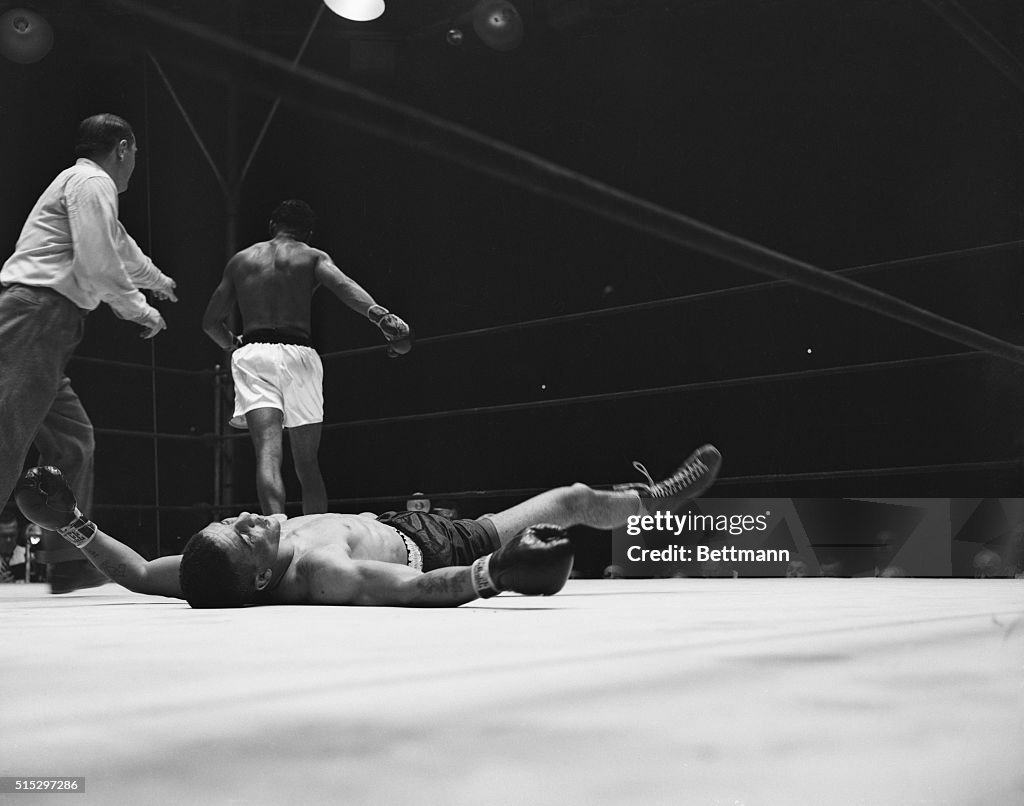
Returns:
point(287, 377)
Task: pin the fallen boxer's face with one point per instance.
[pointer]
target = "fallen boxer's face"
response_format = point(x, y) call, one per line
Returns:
point(257, 531)
point(254, 536)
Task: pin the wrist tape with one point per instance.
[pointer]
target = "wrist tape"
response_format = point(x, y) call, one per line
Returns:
point(481, 576)
point(79, 532)
point(376, 313)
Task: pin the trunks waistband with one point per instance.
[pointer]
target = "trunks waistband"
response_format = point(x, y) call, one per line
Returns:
point(415, 552)
point(274, 337)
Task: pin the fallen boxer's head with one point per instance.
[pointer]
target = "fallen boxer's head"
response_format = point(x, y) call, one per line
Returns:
point(228, 562)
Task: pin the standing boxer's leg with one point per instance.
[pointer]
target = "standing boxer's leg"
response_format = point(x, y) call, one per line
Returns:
point(267, 431)
point(304, 414)
point(305, 444)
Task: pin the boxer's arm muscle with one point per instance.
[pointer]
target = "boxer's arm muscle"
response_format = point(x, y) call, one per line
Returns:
point(368, 582)
point(127, 567)
point(342, 286)
point(220, 308)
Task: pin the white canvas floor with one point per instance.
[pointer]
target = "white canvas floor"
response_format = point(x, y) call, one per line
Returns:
point(720, 692)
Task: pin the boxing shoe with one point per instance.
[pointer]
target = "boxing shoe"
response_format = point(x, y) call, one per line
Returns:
point(536, 562)
point(692, 479)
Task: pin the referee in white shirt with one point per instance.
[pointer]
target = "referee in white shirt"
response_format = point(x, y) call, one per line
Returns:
point(72, 254)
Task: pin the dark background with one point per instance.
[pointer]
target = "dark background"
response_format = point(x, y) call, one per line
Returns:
point(840, 133)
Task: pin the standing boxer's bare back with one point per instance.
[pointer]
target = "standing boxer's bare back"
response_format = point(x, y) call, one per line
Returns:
point(274, 283)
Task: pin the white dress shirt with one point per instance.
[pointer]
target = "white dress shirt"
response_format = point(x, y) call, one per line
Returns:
point(73, 243)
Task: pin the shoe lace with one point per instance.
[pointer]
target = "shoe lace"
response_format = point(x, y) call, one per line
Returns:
point(643, 471)
point(684, 477)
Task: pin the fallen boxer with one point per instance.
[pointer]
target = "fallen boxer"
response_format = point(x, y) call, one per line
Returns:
point(397, 558)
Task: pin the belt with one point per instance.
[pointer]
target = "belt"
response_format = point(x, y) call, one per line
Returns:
point(272, 336)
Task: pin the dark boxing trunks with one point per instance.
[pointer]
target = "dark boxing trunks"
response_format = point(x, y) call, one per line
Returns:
point(445, 542)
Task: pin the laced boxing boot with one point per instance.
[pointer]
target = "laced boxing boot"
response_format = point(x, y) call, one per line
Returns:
point(691, 480)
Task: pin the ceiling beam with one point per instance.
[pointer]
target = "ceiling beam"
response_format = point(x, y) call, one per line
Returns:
point(980, 38)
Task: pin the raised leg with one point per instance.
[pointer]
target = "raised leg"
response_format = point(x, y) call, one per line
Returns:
point(267, 432)
point(577, 505)
point(305, 443)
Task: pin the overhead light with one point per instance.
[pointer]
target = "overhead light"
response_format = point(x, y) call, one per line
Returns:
point(498, 24)
point(356, 10)
point(25, 36)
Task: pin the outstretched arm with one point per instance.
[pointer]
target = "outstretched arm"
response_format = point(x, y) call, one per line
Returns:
point(127, 567)
point(342, 286)
point(219, 310)
point(397, 332)
point(46, 499)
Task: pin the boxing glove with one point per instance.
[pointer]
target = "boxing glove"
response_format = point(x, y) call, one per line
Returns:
point(395, 330)
point(401, 345)
point(536, 562)
point(44, 497)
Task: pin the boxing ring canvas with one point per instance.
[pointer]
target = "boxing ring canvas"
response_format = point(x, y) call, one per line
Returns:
point(875, 692)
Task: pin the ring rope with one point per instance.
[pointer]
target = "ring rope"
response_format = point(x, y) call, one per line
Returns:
point(696, 386)
point(153, 507)
point(817, 475)
point(700, 296)
point(824, 475)
point(267, 73)
point(88, 359)
point(936, 257)
point(124, 432)
point(523, 493)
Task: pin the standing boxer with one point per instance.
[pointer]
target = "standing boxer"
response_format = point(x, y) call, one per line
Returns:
point(278, 375)
point(72, 254)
